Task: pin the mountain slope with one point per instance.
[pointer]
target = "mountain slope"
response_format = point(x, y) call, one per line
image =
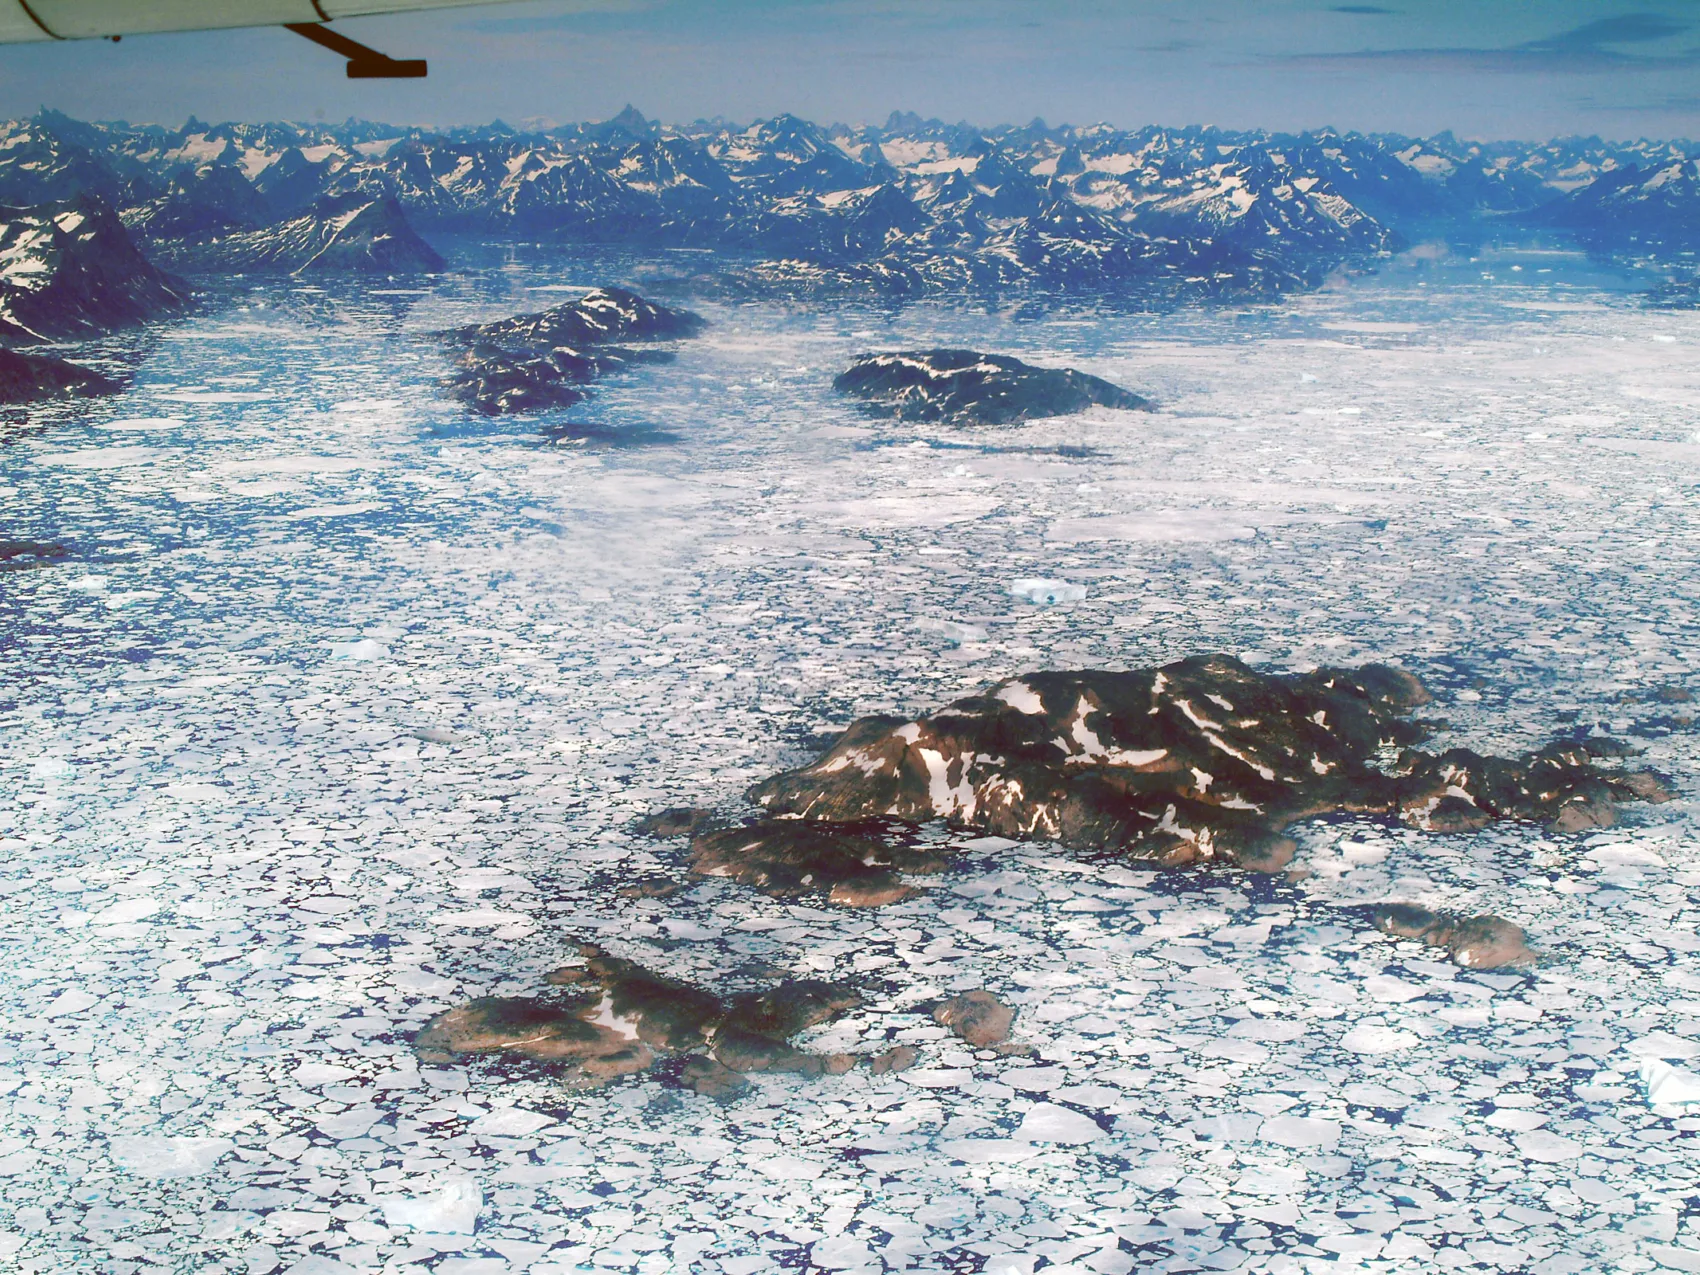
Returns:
point(1634, 208)
point(70, 270)
point(353, 233)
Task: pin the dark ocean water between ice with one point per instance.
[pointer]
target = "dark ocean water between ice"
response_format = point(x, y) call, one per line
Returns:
point(343, 706)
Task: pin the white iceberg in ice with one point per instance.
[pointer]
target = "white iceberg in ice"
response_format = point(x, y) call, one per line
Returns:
point(156, 1156)
point(1047, 1122)
point(1668, 1085)
point(452, 1210)
point(364, 649)
point(1046, 592)
point(952, 630)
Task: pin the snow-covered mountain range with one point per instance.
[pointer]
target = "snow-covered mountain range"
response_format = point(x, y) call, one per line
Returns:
point(909, 207)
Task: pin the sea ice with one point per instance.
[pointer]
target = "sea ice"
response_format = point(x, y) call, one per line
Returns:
point(314, 1074)
point(1663, 1044)
point(1043, 592)
point(1299, 1131)
point(510, 1122)
point(67, 1003)
point(1378, 1038)
point(256, 861)
point(842, 1253)
point(143, 423)
point(451, 1210)
point(1047, 1122)
point(360, 649)
point(1549, 1148)
point(1668, 1085)
point(101, 457)
point(155, 1156)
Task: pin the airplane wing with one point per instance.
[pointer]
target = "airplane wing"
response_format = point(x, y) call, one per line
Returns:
point(22, 21)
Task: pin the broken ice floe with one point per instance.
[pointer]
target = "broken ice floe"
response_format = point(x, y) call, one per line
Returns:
point(1043, 592)
point(452, 1209)
point(153, 1156)
point(359, 649)
point(1669, 1085)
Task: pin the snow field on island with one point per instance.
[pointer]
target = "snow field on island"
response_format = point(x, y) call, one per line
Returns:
point(344, 705)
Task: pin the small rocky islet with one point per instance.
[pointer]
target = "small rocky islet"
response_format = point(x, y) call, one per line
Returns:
point(965, 387)
point(615, 1018)
point(15, 553)
point(533, 362)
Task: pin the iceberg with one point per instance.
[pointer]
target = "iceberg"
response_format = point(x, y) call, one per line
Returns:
point(1046, 592)
point(451, 1210)
point(153, 1156)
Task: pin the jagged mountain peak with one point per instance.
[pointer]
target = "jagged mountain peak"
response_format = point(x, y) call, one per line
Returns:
point(916, 203)
point(633, 121)
point(70, 269)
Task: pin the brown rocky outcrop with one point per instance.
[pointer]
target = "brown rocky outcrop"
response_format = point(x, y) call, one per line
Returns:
point(620, 1017)
point(897, 1058)
point(1475, 942)
point(855, 865)
point(978, 1017)
point(590, 1053)
point(1202, 759)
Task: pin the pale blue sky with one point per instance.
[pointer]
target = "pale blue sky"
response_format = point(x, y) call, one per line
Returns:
point(1511, 68)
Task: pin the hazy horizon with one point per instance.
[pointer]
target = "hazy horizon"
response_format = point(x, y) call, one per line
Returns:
point(546, 124)
point(1562, 69)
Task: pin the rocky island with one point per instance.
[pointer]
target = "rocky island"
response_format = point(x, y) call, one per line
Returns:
point(1201, 760)
point(962, 387)
point(532, 362)
point(618, 1017)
